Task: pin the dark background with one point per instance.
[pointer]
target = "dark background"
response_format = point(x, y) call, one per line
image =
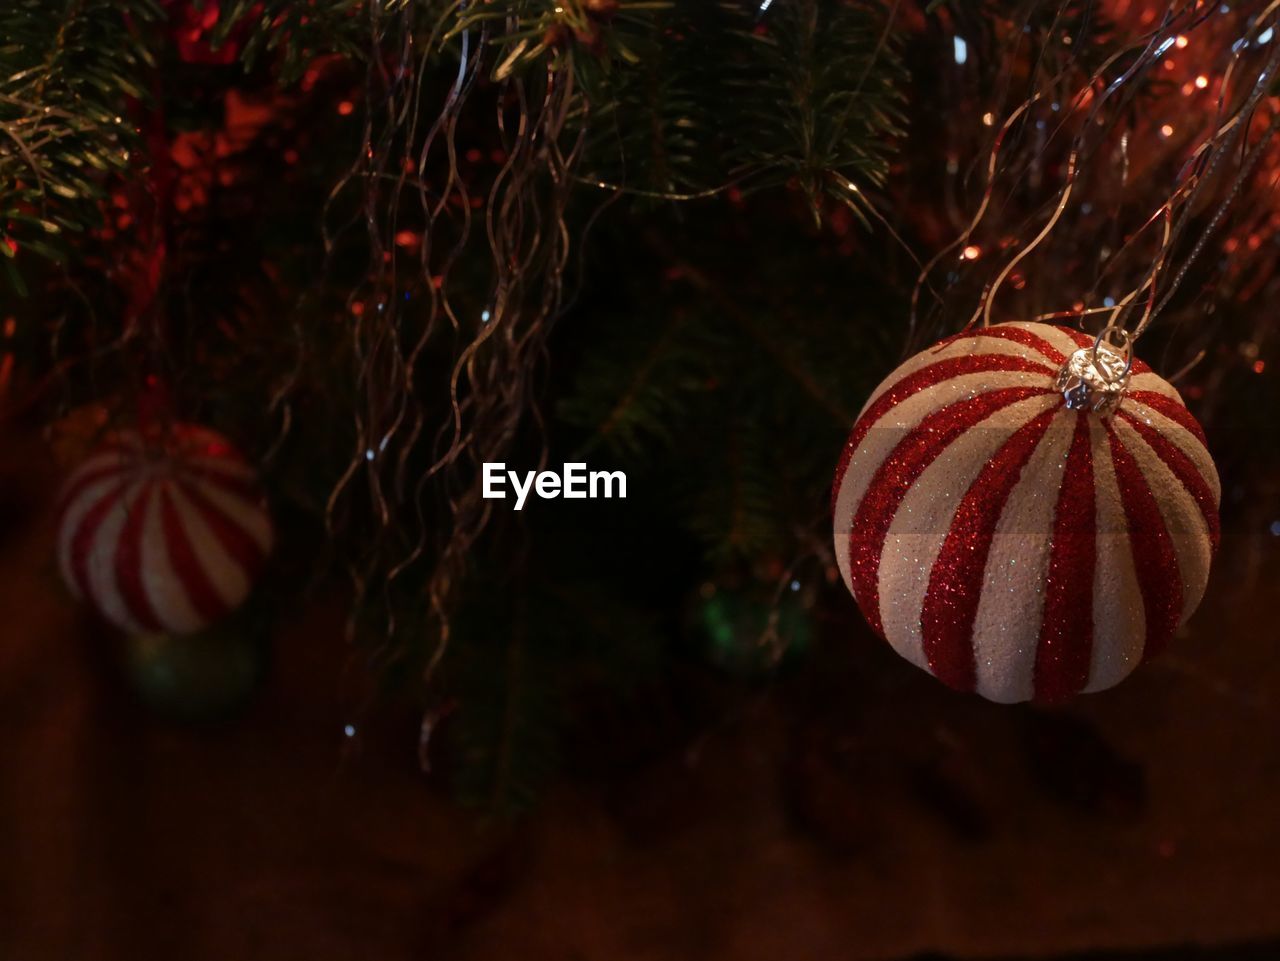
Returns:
point(849, 807)
point(652, 786)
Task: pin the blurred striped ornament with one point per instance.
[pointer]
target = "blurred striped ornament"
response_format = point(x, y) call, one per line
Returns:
point(165, 531)
point(1011, 545)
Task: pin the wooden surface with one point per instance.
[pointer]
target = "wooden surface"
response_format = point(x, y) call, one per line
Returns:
point(838, 813)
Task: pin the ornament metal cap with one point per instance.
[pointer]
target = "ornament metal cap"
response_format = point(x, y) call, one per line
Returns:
point(1096, 378)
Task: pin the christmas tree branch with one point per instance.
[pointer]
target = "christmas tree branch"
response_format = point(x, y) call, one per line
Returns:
point(63, 107)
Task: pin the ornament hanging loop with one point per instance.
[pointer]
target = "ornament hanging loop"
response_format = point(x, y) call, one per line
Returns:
point(1096, 378)
point(1116, 340)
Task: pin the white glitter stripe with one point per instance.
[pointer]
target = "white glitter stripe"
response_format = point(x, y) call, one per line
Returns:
point(100, 560)
point(228, 579)
point(1119, 622)
point(1060, 339)
point(925, 516)
point(72, 518)
point(893, 427)
point(165, 589)
point(1182, 439)
point(1182, 516)
point(1006, 631)
point(246, 515)
point(965, 347)
point(1156, 384)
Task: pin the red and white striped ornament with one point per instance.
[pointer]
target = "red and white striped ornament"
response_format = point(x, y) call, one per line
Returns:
point(163, 531)
point(1015, 533)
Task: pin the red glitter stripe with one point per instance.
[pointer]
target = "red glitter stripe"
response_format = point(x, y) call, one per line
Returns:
point(82, 482)
point(955, 583)
point(86, 531)
point(1154, 561)
point(1018, 335)
point(235, 540)
point(889, 485)
point(1172, 409)
point(1088, 340)
point(1184, 469)
point(186, 565)
point(128, 562)
point(922, 379)
point(1066, 628)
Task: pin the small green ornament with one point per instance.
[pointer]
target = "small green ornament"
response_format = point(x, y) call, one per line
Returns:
point(750, 632)
point(205, 676)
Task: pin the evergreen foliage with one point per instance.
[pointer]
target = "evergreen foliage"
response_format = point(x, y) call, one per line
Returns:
point(69, 72)
point(723, 395)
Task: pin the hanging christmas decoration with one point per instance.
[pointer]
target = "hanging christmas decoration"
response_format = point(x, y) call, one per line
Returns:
point(163, 530)
point(1026, 511)
point(202, 676)
point(750, 630)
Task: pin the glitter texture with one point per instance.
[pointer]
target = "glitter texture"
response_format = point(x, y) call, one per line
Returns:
point(923, 379)
point(1019, 335)
point(898, 473)
point(1173, 410)
point(1184, 470)
point(1066, 631)
point(955, 583)
point(1079, 628)
point(163, 530)
point(1158, 576)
